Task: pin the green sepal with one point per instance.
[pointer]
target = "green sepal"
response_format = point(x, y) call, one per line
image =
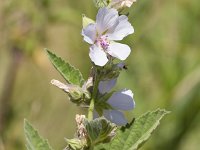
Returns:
point(86, 21)
point(76, 144)
point(135, 134)
point(101, 103)
point(101, 3)
point(69, 72)
point(99, 130)
point(110, 71)
point(33, 140)
point(105, 97)
point(76, 94)
point(79, 98)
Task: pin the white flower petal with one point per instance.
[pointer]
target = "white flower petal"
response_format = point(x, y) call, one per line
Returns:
point(121, 29)
point(89, 33)
point(118, 50)
point(122, 100)
point(115, 116)
point(106, 85)
point(98, 56)
point(106, 19)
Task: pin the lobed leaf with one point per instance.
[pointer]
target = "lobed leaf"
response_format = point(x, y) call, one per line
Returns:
point(69, 72)
point(33, 139)
point(133, 135)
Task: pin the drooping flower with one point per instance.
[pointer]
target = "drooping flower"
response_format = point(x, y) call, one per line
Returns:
point(109, 27)
point(119, 101)
point(106, 85)
point(117, 4)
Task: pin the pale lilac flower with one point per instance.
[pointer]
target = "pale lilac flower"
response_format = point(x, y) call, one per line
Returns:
point(106, 85)
point(119, 101)
point(121, 3)
point(109, 27)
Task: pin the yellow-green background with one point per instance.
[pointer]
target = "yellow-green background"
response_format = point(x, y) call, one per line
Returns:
point(163, 68)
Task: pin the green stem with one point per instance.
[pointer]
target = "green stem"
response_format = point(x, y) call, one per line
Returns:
point(94, 95)
point(90, 110)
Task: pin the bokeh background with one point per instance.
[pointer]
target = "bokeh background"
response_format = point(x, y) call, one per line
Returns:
point(163, 68)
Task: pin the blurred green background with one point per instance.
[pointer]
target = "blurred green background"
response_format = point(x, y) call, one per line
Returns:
point(163, 68)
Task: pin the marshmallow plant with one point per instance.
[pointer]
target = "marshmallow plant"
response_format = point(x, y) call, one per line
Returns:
point(105, 126)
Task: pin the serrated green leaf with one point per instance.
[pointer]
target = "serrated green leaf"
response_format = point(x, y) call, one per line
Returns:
point(33, 139)
point(86, 21)
point(136, 133)
point(69, 72)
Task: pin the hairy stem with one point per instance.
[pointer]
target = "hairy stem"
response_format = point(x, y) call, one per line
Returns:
point(94, 95)
point(90, 110)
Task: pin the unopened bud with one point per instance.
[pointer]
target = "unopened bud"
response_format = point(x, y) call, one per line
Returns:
point(81, 132)
point(77, 94)
point(119, 4)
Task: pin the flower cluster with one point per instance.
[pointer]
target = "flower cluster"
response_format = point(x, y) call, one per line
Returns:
point(96, 93)
point(102, 34)
point(99, 130)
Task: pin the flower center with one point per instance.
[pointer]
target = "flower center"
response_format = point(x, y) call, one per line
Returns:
point(104, 42)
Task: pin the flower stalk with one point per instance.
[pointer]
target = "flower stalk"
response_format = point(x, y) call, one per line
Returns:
point(94, 95)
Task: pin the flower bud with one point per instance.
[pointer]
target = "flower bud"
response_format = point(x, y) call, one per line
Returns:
point(81, 131)
point(112, 71)
point(77, 94)
point(75, 144)
point(120, 4)
point(101, 3)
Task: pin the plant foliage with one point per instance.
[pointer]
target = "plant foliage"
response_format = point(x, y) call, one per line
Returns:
point(33, 140)
point(69, 72)
point(133, 135)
